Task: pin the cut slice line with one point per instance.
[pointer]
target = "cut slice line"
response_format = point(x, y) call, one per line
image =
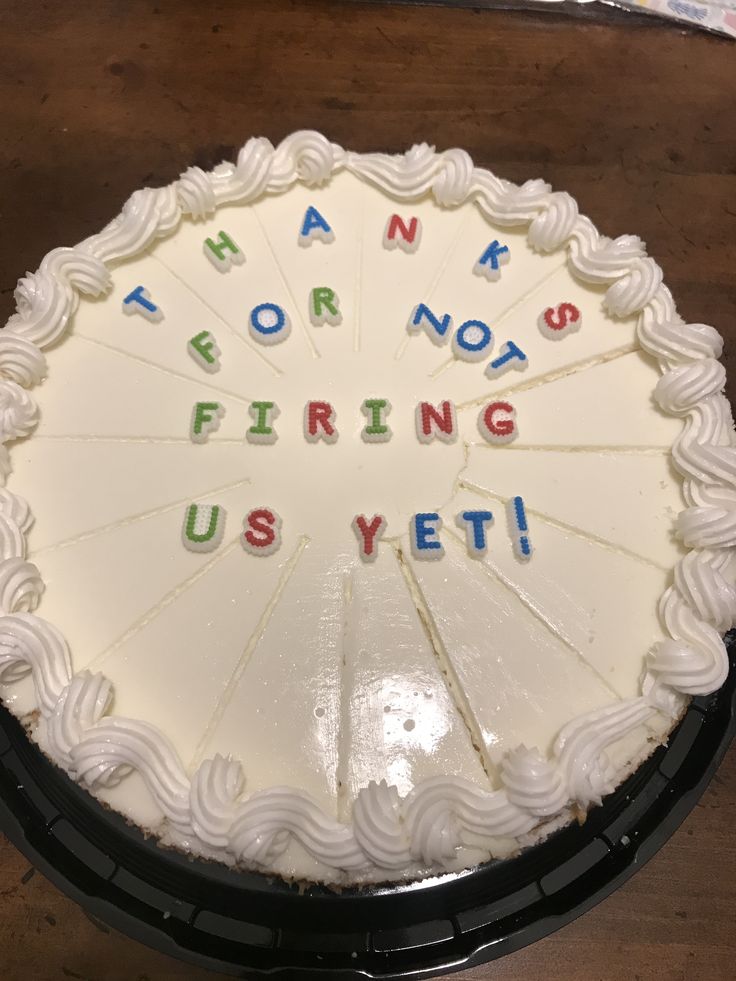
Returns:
point(357, 305)
point(563, 526)
point(343, 736)
point(166, 371)
point(434, 282)
point(494, 573)
point(153, 440)
point(134, 518)
point(455, 690)
point(282, 276)
point(505, 314)
point(567, 448)
point(205, 303)
point(253, 641)
point(551, 376)
point(165, 601)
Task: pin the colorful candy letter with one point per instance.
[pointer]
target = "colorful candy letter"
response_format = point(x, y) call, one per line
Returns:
point(437, 329)
point(510, 358)
point(324, 307)
point(424, 531)
point(139, 301)
point(314, 227)
point(203, 348)
point(206, 418)
point(262, 430)
point(497, 422)
point(223, 253)
point(368, 533)
point(557, 322)
point(398, 233)
point(319, 422)
point(519, 529)
point(262, 534)
point(474, 525)
point(269, 323)
point(473, 341)
point(376, 430)
point(489, 264)
point(203, 528)
point(436, 423)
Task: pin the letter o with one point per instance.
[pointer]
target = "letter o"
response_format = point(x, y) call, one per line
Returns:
point(473, 340)
point(269, 323)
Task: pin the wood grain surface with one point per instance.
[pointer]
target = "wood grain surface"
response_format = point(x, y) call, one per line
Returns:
point(637, 120)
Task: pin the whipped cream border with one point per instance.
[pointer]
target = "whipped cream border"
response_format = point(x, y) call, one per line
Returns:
point(388, 834)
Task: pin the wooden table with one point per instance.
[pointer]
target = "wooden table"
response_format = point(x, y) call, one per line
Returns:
point(635, 118)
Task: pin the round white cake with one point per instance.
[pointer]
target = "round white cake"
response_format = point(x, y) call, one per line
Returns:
point(383, 511)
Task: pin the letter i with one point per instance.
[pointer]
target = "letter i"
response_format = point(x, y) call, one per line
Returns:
point(519, 529)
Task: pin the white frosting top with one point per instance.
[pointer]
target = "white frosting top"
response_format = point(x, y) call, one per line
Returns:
point(307, 710)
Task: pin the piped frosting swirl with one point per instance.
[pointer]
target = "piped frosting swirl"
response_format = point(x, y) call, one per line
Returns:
point(444, 812)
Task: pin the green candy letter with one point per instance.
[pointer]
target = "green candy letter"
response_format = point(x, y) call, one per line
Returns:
point(204, 525)
point(262, 430)
point(376, 430)
point(324, 307)
point(203, 348)
point(205, 420)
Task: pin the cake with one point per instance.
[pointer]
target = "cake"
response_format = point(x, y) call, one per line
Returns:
point(371, 516)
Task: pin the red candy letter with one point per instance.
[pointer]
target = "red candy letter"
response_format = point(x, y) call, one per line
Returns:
point(435, 423)
point(556, 322)
point(398, 233)
point(497, 422)
point(367, 534)
point(262, 534)
point(319, 422)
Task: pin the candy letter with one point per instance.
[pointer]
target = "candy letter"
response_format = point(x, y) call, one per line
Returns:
point(497, 422)
point(424, 534)
point(203, 348)
point(262, 430)
point(438, 329)
point(473, 340)
point(440, 423)
point(510, 356)
point(314, 227)
point(376, 430)
point(557, 322)
point(139, 301)
point(319, 422)
point(397, 232)
point(205, 420)
point(519, 529)
point(489, 264)
point(324, 307)
point(269, 323)
point(262, 535)
point(474, 524)
point(367, 533)
point(223, 252)
point(204, 526)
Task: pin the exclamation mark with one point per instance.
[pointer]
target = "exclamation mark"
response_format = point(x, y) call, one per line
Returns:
point(519, 529)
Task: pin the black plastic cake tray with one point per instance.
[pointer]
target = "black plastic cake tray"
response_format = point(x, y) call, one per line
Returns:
point(244, 924)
